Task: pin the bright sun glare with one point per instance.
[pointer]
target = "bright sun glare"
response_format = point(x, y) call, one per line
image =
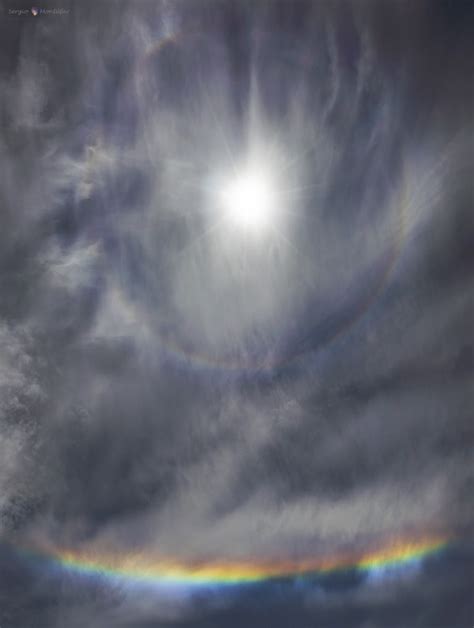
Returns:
point(248, 200)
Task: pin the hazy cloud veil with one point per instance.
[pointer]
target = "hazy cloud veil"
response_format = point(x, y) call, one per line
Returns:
point(171, 386)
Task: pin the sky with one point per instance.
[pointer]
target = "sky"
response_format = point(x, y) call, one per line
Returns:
point(236, 339)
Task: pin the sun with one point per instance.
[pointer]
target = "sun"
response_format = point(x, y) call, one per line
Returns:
point(248, 200)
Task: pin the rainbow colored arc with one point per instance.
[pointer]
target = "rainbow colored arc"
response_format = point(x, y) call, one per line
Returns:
point(168, 572)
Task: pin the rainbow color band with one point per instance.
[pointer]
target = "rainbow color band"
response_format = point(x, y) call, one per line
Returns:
point(142, 568)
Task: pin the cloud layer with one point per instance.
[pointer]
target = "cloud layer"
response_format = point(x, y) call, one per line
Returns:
point(168, 385)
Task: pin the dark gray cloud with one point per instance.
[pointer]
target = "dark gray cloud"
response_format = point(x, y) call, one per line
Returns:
point(169, 384)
